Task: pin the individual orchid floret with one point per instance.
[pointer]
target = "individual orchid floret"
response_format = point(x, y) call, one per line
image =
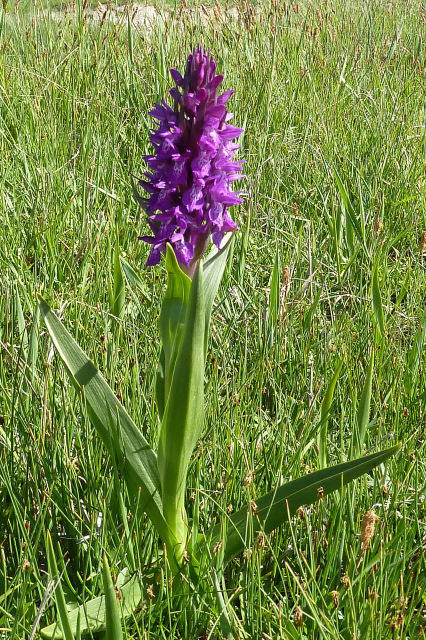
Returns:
point(192, 168)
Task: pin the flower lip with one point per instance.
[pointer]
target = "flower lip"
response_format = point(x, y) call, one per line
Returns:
point(192, 167)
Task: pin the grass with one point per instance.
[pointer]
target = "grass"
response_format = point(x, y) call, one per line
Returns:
point(332, 95)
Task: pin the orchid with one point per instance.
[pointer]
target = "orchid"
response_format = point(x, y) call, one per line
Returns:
point(188, 183)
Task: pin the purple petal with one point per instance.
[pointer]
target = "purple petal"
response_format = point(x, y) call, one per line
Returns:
point(191, 102)
point(193, 198)
point(228, 223)
point(216, 82)
point(215, 214)
point(176, 94)
point(184, 252)
point(160, 200)
point(178, 173)
point(176, 76)
point(201, 95)
point(210, 140)
point(201, 165)
point(223, 99)
point(216, 111)
point(154, 257)
point(217, 237)
point(230, 133)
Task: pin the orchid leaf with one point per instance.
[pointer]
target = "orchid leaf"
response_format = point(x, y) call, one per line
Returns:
point(274, 508)
point(183, 415)
point(109, 417)
point(172, 319)
point(93, 614)
point(160, 385)
point(213, 269)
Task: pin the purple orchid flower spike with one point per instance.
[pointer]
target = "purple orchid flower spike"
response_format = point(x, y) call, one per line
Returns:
point(192, 169)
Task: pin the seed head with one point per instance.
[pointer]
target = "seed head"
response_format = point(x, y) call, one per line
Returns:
point(346, 581)
point(378, 227)
point(298, 617)
point(422, 247)
point(367, 528)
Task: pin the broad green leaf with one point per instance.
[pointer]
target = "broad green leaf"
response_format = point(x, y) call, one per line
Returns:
point(363, 414)
point(173, 314)
point(275, 507)
point(92, 614)
point(160, 385)
point(213, 269)
point(325, 413)
point(183, 415)
point(377, 297)
point(113, 630)
point(139, 469)
point(59, 594)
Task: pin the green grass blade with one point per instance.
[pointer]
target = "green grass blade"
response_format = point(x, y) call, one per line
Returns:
point(119, 291)
point(349, 233)
point(160, 385)
point(140, 464)
point(133, 279)
point(414, 358)
point(59, 594)
point(274, 301)
point(113, 630)
point(377, 297)
point(309, 315)
point(350, 213)
point(21, 322)
point(275, 507)
point(363, 414)
point(325, 413)
point(224, 620)
point(33, 342)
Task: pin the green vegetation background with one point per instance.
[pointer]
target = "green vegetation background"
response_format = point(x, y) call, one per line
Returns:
point(322, 90)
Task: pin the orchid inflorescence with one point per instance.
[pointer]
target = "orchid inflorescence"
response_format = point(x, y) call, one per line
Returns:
point(191, 171)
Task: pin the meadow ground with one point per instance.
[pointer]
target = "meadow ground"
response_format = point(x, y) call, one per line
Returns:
point(332, 99)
